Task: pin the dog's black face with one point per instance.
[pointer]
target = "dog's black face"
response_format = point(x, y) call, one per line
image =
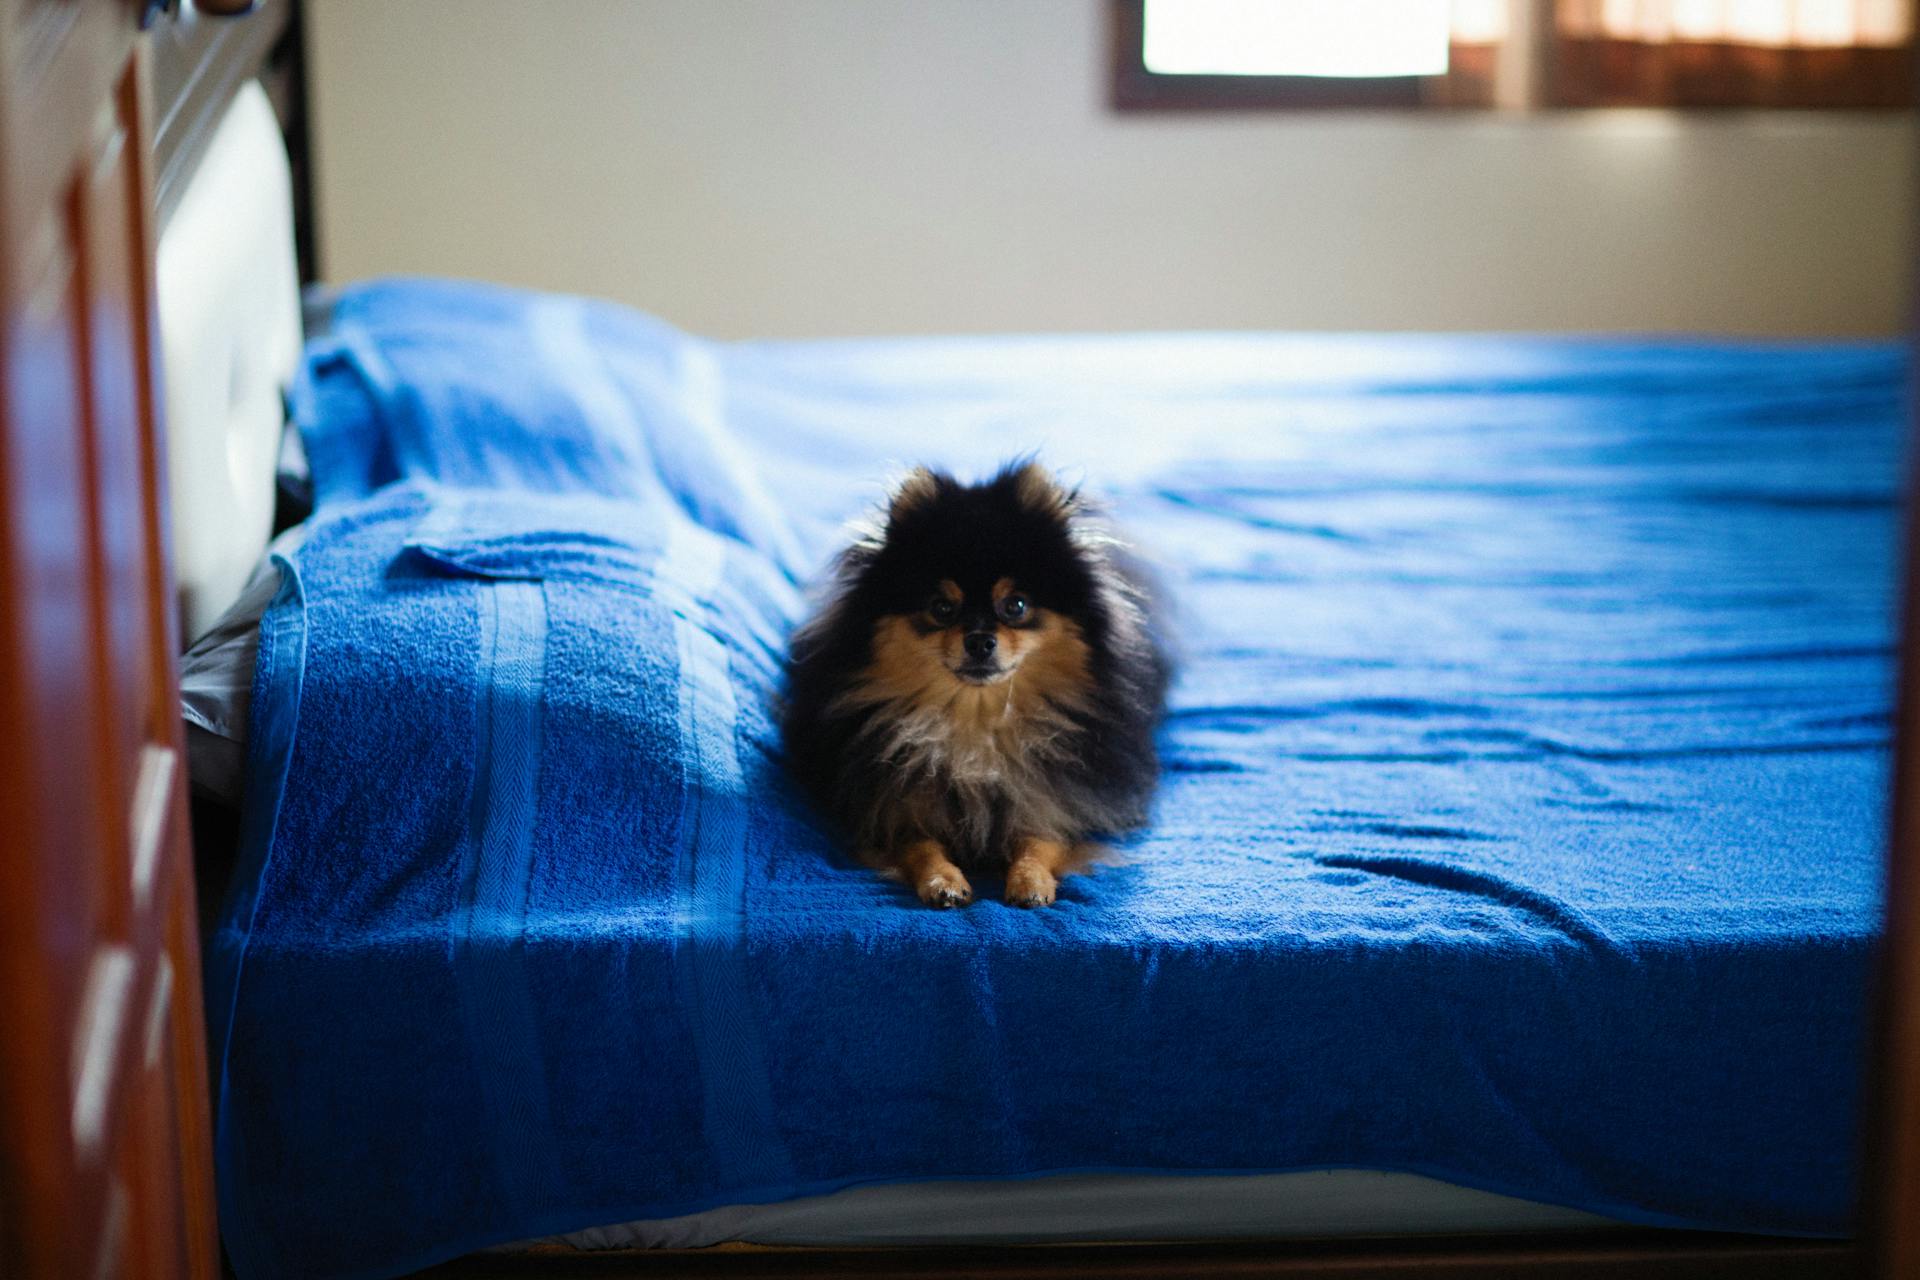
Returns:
point(983, 583)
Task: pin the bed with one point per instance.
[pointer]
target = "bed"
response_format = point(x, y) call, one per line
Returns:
point(1521, 824)
point(1517, 874)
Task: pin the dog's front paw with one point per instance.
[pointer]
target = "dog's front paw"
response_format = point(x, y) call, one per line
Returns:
point(946, 888)
point(1030, 885)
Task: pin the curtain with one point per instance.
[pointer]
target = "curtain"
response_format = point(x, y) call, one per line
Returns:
point(1760, 53)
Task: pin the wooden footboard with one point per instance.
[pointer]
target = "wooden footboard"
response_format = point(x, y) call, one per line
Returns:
point(105, 1166)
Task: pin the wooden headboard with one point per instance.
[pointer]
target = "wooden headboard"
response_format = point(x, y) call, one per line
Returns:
point(105, 1154)
point(199, 63)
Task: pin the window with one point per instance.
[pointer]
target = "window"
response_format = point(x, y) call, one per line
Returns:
point(1513, 53)
point(1306, 53)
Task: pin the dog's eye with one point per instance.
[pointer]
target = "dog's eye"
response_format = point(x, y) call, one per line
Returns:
point(1013, 608)
point(942, 610)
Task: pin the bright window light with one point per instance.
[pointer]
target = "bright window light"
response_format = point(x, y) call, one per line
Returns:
point(1296, 37)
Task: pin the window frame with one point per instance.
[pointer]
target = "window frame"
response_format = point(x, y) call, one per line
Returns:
point(1468, 81)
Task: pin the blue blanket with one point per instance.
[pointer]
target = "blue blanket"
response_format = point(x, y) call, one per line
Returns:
point(1521, 824)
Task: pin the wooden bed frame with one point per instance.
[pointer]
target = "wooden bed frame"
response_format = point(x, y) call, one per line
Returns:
point(105, 1160)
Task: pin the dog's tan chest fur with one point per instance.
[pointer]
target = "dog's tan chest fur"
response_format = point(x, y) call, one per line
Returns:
point(984, 741)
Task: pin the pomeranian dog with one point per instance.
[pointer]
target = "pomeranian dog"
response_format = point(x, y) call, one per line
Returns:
point(980, 686)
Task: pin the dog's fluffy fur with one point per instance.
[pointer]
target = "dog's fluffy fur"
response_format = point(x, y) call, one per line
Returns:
point(980, 686)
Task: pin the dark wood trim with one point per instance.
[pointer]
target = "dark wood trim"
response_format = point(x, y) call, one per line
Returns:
point(1654, 1255)
point(1469, 82)
point(286, 81)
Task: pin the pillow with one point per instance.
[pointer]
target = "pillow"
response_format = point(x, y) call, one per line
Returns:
point(477, 386)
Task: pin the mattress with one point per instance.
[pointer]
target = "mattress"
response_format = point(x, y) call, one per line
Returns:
point(1521, 823)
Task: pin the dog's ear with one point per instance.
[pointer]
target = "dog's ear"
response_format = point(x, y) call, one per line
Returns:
point(1040, 491)
point(913, 492)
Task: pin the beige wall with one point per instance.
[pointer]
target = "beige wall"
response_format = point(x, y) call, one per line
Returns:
point(800, 167)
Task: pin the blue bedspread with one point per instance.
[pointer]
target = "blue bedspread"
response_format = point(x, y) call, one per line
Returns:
point(1521, 822)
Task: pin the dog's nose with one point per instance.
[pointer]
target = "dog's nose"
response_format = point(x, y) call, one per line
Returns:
point(980, 645)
